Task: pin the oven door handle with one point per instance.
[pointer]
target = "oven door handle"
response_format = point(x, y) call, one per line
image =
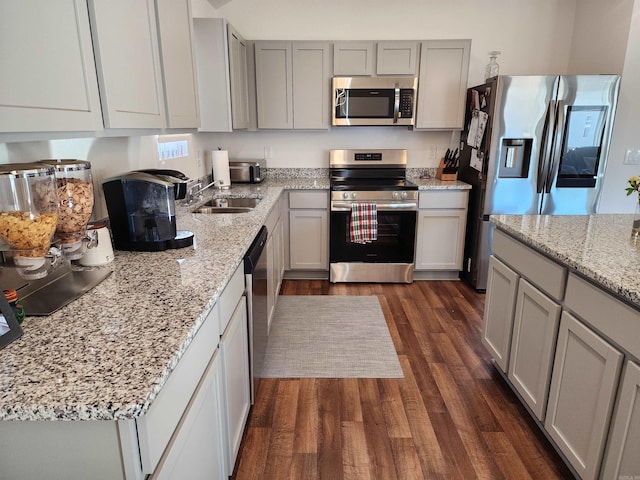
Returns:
point(383, 207)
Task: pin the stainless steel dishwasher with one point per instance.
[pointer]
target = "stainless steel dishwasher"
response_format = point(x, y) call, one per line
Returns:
point(255, 274)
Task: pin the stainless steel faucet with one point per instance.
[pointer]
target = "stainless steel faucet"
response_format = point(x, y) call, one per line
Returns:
point(191, 196)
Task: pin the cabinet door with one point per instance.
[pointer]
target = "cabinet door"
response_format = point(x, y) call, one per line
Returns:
point(500, 302)
point(583, 386)
point(308, 240)
point(239, 82)
point(444, 67)
point(196, 450)
point(397, 58)
point(622, 459)
point(311, 84)
point(272, 279)
point(214, 82)
point(176, 50)
point(440, 243)
point(125, 43)
point(234, 346)
point(274, 82)
point(353, 58)
point(533, 343)
point(48, 76)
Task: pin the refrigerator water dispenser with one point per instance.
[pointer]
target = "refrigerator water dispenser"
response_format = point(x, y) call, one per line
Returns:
point(515, 157)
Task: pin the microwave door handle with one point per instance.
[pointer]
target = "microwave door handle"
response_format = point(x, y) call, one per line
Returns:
point(556, 150)
point(396, 103)
point(546, 145)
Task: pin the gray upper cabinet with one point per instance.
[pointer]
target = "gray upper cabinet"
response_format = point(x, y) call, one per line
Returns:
point(176, 51)
point(48, 78)
point(442, 85)
point(274, 84)
point(239, 83)
point(397, 58)
point(221, 61)
point(292, 85)
point(128, 65)
point(353, 58)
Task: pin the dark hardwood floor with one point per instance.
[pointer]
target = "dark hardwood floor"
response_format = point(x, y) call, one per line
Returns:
point(451, 417)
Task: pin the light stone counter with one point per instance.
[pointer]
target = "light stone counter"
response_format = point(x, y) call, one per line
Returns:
point(107, 354)
point(597, 246)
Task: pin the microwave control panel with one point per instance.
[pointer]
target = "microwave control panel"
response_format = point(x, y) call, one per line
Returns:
point(406, 103)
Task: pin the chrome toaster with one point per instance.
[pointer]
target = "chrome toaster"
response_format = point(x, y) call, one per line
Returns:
point(247, 171)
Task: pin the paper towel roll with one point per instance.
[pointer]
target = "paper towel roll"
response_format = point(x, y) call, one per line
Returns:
point(220, 167)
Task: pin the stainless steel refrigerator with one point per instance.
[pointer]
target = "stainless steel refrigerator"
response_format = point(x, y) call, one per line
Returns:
point(532, 145)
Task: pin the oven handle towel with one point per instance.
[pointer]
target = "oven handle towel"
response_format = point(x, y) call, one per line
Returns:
point(363, 226)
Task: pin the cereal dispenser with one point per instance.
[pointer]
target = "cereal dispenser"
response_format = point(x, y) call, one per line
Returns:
point(28, 215)
point(74, 190)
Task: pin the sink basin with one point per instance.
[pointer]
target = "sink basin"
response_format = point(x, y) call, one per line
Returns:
point(228, 205)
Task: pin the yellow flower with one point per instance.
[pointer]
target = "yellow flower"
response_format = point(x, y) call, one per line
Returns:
point(634, 185)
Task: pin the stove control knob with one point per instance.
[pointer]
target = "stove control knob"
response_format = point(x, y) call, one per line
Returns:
point(404, 195)
point(395, 195)
point(353, 195)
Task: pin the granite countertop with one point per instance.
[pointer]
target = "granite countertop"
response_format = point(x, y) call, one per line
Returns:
point(106, 355)
point(599, 247)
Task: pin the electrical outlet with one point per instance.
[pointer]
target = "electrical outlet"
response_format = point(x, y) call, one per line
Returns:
point(199, 159)
point(268, 153)
point(433, 152)
point(632, 156)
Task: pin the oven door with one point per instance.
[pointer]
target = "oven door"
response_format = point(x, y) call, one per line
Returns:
point(395, 240)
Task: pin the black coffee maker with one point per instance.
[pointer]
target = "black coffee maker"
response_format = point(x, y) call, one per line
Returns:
point(142, 211)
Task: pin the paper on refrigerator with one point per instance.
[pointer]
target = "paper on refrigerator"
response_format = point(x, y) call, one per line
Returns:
point(477, 127)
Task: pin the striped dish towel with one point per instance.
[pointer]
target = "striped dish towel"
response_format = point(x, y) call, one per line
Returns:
point(363, 227)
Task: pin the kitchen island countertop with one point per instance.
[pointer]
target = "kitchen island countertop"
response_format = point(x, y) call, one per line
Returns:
point(599, 247)
point(106, 355)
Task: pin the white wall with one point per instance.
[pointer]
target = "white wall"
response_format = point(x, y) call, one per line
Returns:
point(600, 36)
point(625, 131)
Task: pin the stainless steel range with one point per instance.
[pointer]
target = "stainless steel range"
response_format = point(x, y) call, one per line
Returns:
point(373, 182)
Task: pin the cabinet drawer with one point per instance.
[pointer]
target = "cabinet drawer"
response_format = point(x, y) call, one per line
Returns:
point(156, 427)
point(230, 296)
point(545, 273)
point(308, 200)
point(612, 317)
point(444, 199)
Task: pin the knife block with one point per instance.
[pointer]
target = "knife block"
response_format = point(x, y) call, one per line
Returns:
point(447, 174)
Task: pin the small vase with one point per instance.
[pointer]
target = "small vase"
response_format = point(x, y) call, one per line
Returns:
point(635, 229)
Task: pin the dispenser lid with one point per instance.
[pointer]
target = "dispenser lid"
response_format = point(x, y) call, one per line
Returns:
point(21, 170)
point(67, 164)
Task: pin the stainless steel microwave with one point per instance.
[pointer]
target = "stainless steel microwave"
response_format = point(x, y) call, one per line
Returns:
point(374, 100)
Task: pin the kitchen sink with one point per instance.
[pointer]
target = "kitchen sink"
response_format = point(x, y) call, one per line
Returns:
point(228, 205)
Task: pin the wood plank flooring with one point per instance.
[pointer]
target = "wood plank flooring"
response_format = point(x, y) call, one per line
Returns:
point(451, 417)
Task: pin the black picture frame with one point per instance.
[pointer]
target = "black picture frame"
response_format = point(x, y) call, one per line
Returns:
point(14, 330)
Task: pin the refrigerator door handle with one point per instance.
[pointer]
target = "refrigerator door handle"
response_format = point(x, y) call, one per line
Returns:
point(546, 145)
point(558, 139)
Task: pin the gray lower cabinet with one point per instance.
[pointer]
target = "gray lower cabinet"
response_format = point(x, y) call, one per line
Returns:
point(197, 449)
point(499, 308)
point(622, 459)
point(581, 397)
point(533, 339)
point(442, 218)
point(308, 230)
point(234, 349)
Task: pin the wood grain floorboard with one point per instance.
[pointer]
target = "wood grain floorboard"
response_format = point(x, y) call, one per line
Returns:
point(451, 417)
